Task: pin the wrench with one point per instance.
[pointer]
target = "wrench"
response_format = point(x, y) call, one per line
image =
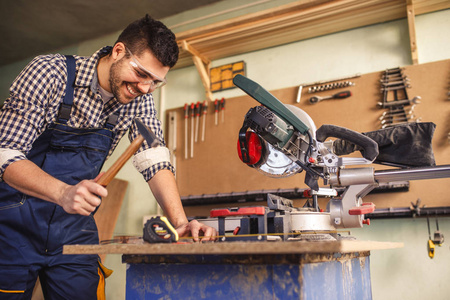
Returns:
point(396, 119)
point(398, 123)
point(414, 100)
point(390, 114)
point(393, 71)
point(395, 88)
point(394, 78)
point(340, 95)
point(393, 83)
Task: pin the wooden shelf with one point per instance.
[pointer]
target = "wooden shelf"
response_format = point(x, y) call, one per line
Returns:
point(294, 22)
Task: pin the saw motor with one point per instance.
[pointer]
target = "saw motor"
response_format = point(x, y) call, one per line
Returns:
point(269, 138)
point(267, 125)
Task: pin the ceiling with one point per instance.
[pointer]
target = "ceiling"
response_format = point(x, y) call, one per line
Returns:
point(32, 27)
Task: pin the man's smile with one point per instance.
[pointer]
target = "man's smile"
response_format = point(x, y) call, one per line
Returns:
point(132, 90)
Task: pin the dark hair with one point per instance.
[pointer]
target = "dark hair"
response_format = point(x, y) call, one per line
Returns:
point(148, 33)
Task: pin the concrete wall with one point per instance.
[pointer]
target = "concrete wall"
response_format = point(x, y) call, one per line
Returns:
point(405, 273)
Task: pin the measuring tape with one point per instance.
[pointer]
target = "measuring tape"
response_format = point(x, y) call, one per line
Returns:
point(159, 230)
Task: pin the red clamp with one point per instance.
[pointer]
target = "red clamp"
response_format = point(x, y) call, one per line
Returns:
point(365, 208)
point(243, 211)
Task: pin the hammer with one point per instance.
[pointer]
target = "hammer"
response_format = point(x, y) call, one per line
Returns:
point(145, 134)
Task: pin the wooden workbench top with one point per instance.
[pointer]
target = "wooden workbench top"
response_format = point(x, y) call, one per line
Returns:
point(227, 248)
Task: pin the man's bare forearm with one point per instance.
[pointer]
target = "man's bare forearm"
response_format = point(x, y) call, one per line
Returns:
point(28, 178)
point(165, 190)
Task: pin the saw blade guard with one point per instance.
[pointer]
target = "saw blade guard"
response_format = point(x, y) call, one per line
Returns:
point(270, 145)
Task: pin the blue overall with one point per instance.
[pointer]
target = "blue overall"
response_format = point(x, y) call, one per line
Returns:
point(33, 231)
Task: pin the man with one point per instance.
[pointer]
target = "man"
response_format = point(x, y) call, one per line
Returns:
point(64, 117)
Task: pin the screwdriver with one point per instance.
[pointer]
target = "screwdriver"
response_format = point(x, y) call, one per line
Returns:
point(222, 109)
point(205, 110)
point(197, 119)
point(216, 112)
point(192, 128)
point(186, 116)
point(340, 95)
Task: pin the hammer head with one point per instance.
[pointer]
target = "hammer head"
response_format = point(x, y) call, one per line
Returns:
point(147, 133)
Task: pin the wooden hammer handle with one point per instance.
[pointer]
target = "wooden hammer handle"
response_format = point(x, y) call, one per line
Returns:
point(118, 164)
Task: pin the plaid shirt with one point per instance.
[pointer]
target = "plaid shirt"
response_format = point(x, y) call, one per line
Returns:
point(35, 97)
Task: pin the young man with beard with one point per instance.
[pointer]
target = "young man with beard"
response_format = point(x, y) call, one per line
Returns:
point(64, 117)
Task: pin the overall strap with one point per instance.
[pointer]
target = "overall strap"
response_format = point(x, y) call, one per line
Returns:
point(112, 120)
point(66, 106)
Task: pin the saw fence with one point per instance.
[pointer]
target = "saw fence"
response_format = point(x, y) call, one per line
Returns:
point(215, 167)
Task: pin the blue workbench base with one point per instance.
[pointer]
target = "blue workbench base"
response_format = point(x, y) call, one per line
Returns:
point(333, 276)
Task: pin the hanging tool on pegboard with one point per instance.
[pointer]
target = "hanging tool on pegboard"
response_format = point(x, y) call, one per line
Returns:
point(400, 108)
point(222, 109)
point(192, 113)
point(186, 122)
point(326, 85)
point(438, 239)
point(216, 112)
point(204, 112)
point(197, 120)
point(330, 86)
point(340, 95)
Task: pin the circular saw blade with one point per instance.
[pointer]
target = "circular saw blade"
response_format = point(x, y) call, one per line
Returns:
point(278, 164)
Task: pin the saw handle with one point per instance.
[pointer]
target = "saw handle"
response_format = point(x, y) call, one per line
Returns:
point(261, 95)
point(118, 164)
point(369, 147)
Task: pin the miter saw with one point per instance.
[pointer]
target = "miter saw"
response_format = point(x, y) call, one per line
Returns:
point(282, 140)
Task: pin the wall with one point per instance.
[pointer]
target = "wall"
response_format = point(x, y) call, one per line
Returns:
point(396, 274)
point(406, 273)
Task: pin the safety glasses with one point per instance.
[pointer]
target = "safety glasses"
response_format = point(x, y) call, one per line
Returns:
point(145, 76)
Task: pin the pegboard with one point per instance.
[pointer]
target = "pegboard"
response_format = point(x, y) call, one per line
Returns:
point(216, 167)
